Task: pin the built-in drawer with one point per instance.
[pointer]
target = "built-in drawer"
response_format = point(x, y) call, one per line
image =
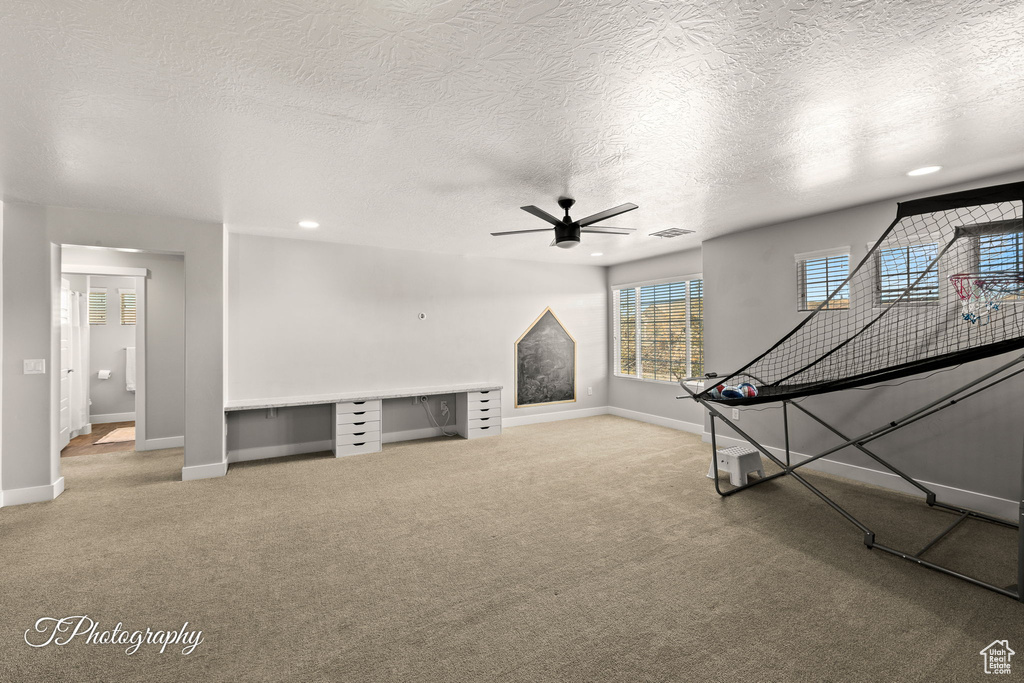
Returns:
point(361, 416)
point(486, 430)
point(372, 435)
point(484, 412)
point(477, 395)
point(358, 406)
point(478, 403)
point(484, 421)
point(357, 449)
point(355, 427)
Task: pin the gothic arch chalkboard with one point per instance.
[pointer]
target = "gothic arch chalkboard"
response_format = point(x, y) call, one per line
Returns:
point(545, 357)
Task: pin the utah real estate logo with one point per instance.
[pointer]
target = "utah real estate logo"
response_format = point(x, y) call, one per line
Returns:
point(997, 657)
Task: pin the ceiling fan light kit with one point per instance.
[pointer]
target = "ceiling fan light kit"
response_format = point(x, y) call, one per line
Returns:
point(567, 231)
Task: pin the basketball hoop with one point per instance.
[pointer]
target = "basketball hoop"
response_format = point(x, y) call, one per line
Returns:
point(981, 293)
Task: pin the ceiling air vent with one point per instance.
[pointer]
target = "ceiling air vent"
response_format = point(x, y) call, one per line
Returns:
point(671, 232)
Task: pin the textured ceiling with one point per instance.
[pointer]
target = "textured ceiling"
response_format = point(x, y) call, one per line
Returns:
point(424, 125)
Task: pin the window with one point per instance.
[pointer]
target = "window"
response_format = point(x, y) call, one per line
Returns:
point(1001, 252)
point(659, 330)
point(818, 277)
point(127, 306)
point(899, 268)
point(97, 307)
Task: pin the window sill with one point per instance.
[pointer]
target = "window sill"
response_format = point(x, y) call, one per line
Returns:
point(696, 385)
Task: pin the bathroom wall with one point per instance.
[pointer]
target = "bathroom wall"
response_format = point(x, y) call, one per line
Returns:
point(111, 401)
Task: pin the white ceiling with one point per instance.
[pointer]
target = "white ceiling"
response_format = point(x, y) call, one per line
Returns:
point(425, 125)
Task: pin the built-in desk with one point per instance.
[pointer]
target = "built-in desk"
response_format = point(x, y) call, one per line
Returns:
point(358, 416)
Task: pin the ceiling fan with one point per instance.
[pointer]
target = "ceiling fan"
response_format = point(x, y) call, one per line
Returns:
point(567, 231)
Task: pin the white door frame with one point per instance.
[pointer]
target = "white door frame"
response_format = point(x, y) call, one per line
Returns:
point(140, 275)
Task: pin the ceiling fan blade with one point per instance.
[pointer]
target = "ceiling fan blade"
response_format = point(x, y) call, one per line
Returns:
point(519, 232)
point(605, 232)
point(608, 213)
point(602, 228)
point(541, 214)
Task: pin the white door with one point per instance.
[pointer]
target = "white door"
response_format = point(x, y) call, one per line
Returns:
point(65, 363)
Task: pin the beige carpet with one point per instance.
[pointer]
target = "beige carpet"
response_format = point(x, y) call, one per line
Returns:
point(118, 435)
point(586, 550)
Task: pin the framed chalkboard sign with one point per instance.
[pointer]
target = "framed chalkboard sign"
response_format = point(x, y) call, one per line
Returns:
point(545, 363)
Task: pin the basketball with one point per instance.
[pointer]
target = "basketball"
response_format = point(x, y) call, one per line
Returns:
point(748, 390)
point(716, 392)
point(732, 392)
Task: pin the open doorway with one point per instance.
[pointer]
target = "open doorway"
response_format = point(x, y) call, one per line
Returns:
point(122, 313)
point(100, 333)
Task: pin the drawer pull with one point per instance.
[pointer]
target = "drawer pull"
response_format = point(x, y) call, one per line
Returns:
point(359, 444)
point(358, 403)
point(485, 400)
point(485, 392)
point(484, 419)
point(361, 412)
point(487, 427)
point(359, 423)
point(358, 433)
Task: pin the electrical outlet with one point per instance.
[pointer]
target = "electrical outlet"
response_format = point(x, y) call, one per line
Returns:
point(444, 407)
point(590, 391)
point(736, 414)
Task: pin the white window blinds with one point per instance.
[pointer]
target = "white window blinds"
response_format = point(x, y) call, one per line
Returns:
point(817, 278)
point(127, 306)
point(659, 330)
point(97, 307)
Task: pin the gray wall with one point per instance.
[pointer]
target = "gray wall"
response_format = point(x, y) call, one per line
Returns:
point(31, 293)
point(652, 398)
point(974, 446)
point(165, 332)
point(107, 345)
point(312, 318)
point(30, 319)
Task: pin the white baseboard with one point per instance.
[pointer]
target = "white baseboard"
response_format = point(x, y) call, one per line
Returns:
point(217, 469)
point(32, 494)
point(264, 452)
point(981, 502)
point(682, 426)
point(413, 434)
point(520, 420)
point(161, 443)
point(111, 417)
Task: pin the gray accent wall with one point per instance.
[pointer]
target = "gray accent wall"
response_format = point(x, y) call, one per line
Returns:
point(751, 302)
point(165, 332)
point(312, 318)
point(642, 396)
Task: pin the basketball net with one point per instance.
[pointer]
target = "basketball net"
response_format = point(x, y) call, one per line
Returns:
point(981, 293)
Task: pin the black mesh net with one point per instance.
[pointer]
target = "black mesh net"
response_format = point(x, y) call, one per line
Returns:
point(943, 285)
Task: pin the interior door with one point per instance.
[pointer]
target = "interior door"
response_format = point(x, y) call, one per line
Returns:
point(65, 363)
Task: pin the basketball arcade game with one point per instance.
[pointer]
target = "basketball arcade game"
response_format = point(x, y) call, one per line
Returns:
point(938, 289)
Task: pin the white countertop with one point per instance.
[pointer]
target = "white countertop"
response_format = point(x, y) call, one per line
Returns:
point(286, 401)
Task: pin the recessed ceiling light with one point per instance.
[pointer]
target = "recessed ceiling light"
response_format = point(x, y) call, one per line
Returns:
point(924, 170)
point(309, 224)
point(598, 253)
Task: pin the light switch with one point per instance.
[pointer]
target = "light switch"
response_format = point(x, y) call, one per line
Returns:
point(35, 366)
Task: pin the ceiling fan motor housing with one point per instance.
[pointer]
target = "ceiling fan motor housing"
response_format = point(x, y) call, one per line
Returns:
point(567, 235)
